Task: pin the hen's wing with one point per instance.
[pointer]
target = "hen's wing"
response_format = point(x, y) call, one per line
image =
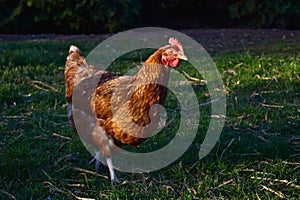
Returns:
point(122, 107)
point(108, 98)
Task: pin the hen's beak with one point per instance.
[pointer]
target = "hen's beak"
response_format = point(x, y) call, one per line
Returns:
point(182, 57)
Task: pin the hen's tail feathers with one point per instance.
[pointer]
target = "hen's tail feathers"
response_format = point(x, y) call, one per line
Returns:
point(73, 48)
point(74, 62)
point(74, 53)
point(75, 57)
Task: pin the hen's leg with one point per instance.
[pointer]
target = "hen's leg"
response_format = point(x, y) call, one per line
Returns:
point(113, 177)
point(97, 161)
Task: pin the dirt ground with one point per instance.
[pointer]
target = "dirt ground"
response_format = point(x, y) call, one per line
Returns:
point(225, 40)
point(213, 40)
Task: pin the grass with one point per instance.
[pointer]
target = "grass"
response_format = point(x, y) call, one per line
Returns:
point(257, 156)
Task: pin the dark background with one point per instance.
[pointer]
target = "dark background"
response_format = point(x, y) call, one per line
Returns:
point(103, 16)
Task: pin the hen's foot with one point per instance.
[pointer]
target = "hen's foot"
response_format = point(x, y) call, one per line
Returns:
point(97, 162)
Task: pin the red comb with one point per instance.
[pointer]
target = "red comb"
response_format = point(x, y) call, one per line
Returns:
point(176, 43)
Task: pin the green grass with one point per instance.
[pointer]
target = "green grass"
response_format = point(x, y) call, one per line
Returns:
point(257, 156)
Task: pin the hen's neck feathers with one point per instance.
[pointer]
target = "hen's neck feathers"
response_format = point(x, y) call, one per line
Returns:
point(153, 70)
point(155, 58)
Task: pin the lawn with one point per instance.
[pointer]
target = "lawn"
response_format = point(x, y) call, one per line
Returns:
point(256, 157)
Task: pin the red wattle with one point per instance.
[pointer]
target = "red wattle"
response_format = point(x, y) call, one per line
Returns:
point(174, 63)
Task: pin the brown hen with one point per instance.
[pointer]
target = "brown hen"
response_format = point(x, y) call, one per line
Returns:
point(123, 108)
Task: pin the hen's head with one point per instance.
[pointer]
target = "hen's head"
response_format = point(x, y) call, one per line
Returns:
point(173, 53)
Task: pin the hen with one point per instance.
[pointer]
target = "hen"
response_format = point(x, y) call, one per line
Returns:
point(123, 107)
